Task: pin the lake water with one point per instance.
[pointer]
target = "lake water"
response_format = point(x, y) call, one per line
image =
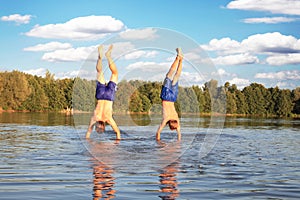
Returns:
point(45, 156)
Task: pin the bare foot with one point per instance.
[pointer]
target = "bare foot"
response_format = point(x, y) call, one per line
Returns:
point(179, 53)
point(108, 52)
point(100, 54)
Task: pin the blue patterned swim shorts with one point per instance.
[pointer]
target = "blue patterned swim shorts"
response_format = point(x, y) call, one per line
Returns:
point(169, 92)
point(106, 91)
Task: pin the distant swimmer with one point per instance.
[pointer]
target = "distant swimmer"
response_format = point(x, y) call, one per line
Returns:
point(105, 94)
point(169, 95)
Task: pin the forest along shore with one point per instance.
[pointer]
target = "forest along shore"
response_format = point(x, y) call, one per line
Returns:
point(27, 93)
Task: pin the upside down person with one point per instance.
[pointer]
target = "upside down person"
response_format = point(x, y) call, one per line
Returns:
point(105, 94)
point(169, 95)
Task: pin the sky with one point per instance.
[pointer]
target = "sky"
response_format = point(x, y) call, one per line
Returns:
point(239, 41)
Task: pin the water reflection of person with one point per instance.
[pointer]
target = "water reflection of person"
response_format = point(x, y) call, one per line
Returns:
point(103, 181)
point(168, 182)
point(104, 155)
point(167, 177)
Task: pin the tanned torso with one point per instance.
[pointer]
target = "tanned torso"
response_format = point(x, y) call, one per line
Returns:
point(103, 111)
point(169, 111)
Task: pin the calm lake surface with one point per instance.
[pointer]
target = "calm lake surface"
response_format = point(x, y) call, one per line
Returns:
point(45, 156)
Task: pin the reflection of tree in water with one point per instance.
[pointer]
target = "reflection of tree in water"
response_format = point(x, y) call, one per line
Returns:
point(168, 182)
point(103, 182)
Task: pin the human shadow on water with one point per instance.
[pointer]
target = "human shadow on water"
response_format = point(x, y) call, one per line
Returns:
point(167, 175)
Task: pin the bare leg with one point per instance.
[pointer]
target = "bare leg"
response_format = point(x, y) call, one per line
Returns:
point(99, 61)
point(111, 64)
point(100, 75)
point(179, 67)
point(179, 53)
point(173, 68)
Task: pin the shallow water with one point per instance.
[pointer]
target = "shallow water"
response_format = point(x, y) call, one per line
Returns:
point(44, 156)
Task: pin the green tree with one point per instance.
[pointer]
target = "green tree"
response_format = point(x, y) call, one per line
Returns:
point(187, 101)
point(255, 97)
point(207, 100)
point(146, 103)
point(37, 100)
point(135, 103)
point(296, 100)
point(215, 96)
point(20, 91)
point(200, 97)
point(15, 90)
point(122, 98)
point(274, 95)
point(230, 103)
point(241, 104)
point(66, 86)
point(284, 104)
point(154, 96)
point(237, 104)
point(220, 101)
point(83, 95)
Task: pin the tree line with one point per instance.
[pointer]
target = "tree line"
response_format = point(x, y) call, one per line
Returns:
point(24, 92)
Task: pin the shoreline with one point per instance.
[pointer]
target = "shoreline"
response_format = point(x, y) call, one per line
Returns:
point(72, 112)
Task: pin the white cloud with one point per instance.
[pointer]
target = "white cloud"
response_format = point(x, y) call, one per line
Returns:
point(223, 75)
point(19, 19)
point(139, 54)
point(196, 56)
point(81, 28)
point(60, 75)
point(221, 72)
point(85, 73)
point(38, 72)
point(149, 67)
point(268, 20)
point(82, 53)
point(286, 85)
point(51, 46)
point(224, 45)
point(236, 59)
point(70, 74)
point(231, 78)
point(139, 34)
point(279, 49)
point(189, 78)
point(122, 48)
point(239, 82)
point(286, 59)
point(288, 7)
point(282, 75)
point(259, 43)
point(69, 55)
point(271, 43)
point(147, 71)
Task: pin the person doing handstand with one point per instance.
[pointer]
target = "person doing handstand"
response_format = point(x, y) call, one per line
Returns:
point(169, 93)
point(105, 94)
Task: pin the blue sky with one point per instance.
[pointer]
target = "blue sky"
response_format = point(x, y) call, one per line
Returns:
point(246, 40)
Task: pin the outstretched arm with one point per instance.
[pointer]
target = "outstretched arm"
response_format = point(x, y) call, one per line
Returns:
point(178, 132)
point(160, 128)
point(90, 128)
point(115, 128)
